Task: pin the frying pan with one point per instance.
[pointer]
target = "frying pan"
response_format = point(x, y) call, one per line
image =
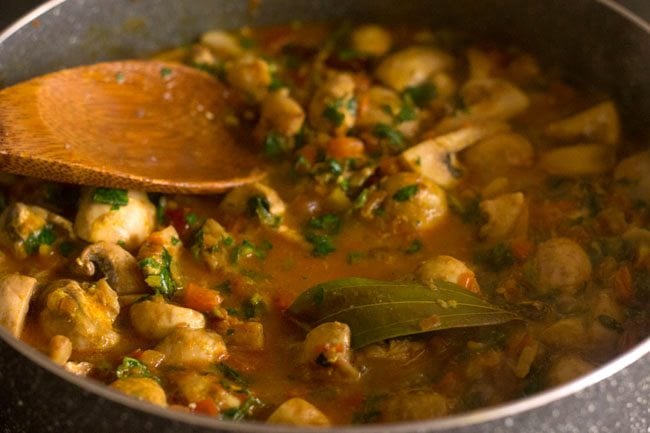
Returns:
point(596, 41)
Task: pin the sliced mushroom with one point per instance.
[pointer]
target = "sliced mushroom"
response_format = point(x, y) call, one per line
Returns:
point(412, 66)
point(507, 217)
point(246, 200)
point(222, 44)
point(436, 158)
point(328, 347)
point(486, 99)
point(599, 123)
point(250, 75)
point(578, 160)
point(371, 39)
point(496, 153)
point(633, 176)
point(15, 294)
point(280, 113)
point(382, 105)
point(118, 266)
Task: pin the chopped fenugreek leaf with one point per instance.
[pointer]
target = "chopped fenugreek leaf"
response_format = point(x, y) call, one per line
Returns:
point(232, 374)
point(131, 367)
point(244, 410)
point(421, 94)
point(394, 137)
point(496, 258)
point(332, 113)
point(323, 245)
point(113, 196)
point(44, 236)
point(406, 193)
point(259, 206)
point(414, 247)
point(406, 113)
point(275, 145)
point(165, 72)
point(329, 223)
point(158, 273)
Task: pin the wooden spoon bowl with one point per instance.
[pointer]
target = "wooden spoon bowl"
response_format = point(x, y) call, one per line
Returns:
point(146, 125)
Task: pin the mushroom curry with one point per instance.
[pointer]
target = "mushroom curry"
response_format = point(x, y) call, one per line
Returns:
point(444, 226)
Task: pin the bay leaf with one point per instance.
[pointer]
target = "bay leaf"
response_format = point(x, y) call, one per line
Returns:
point(377, 310)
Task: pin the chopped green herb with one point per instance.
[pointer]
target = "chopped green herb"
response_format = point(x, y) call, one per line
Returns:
point(122, 243)
point(323, 245)
point(246, 43)
point(469, 210)
point(406, 113)
point(248, 249)
point(44, 236)
point(406, 193)
point(131, 367)
point(414, 247)
point(119, 77)
point(175, 241)
point(276, 83)
point(161, 210)
point(115, 197)
point(244, 411)
point(225, 287)
point(329, 223)
point(394, 137)
point(254, 307)
point(232, 374)
point(332, 113)
point(350, 54)
point(259, 206)
point(496, 258)
point(158, 273)
point(420, 95)
point(165, 72)
point(275, 145)
point(191, 219)
point(361, 199)
point(334, 167)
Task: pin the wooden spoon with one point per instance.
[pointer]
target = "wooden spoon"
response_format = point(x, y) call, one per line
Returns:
point(145, 125)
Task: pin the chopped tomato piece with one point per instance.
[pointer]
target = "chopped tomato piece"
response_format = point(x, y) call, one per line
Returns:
point(345, 147)
point(206, 407)
point(200, 298)
point(522, 248)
